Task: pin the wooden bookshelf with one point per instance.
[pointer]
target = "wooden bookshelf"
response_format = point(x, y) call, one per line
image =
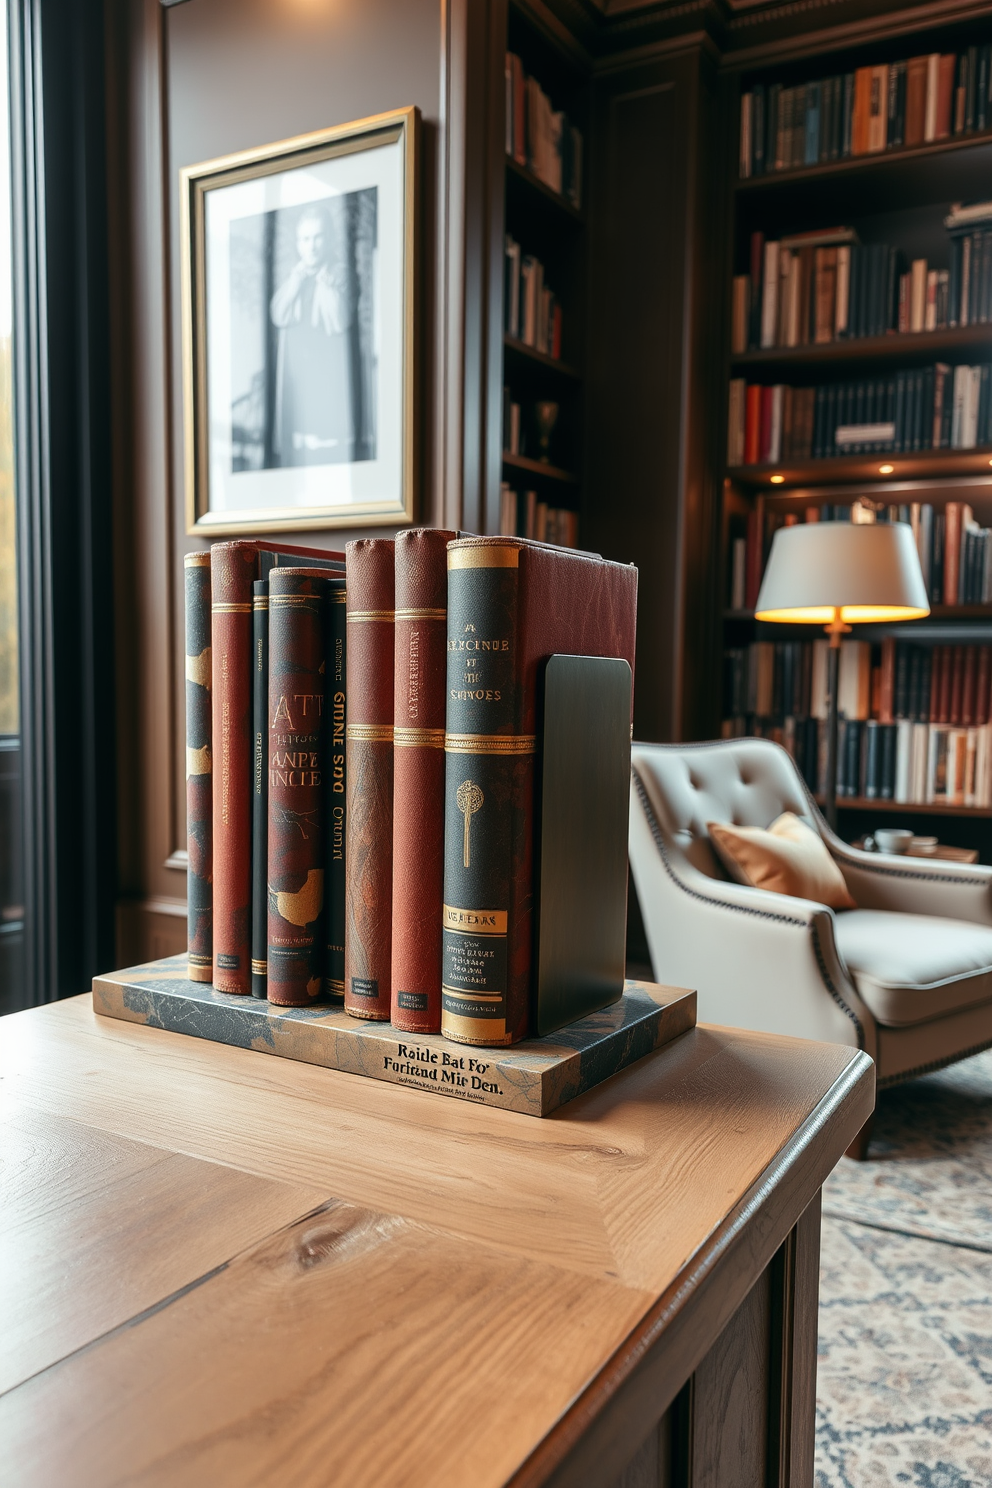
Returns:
point(550, 228)
point(897, 197)
point(907, 348)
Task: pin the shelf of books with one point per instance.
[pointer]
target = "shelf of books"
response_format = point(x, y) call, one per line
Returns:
point(545, 104)
point(859, 388)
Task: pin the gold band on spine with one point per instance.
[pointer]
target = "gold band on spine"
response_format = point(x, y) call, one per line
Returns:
point(362, 616)
point(372, 733)
point(260, 602)
point(195, 958)
point(231, 609)
point(295, 601)
point(421, 614)
point(484, 557)
point(489, 743)
point(333, 985)
point(259, 968)
point(418, 738)
point(196, 560)
point(338, 596)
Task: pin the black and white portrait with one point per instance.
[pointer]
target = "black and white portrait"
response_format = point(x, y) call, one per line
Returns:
point(300, 331)
point(302, 343)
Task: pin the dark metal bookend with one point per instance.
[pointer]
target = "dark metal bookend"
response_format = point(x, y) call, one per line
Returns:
point(585, 802)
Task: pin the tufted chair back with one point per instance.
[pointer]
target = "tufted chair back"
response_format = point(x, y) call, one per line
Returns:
point(744, 782)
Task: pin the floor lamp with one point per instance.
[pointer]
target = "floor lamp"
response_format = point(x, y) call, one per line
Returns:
point(839, 574)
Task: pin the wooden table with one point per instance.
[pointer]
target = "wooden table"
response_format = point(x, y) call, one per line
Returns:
point(222, 1268)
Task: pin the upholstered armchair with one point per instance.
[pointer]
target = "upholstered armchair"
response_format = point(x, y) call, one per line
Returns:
point(906, 975)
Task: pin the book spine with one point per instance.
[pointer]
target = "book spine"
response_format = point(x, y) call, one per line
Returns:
point(488, 773)
point(232, 577)
point(336, 784)
point(199, 806)
point(418, 783)
point(295, 738)
point(260, 787)
point(369, 855)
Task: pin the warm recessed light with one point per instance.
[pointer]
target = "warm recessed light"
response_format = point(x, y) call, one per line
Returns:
point(778, 479)
point(886, 469)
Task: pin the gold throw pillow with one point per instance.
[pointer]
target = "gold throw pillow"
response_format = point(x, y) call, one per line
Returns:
point(788, 858)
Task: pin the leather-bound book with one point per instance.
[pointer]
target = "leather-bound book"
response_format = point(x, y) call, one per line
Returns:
point(511, 605)
point(259, 786)
point(297, 673)
point(418, 777)
point(336, 784)
point(369, 862)
point(234, 568)
point(199, 807)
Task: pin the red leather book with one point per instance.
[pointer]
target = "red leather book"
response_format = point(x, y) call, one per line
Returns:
point(369, 811)
point(297, 673)
point(767, 412)
point(511, 605)
point(957, 687)
point(982, 685)
point(752, 424)
point(199, 804)
point(945, 94)
point(916, 100)
point(234, 567)
point(946, 669)
point(421, 642)
point(968, 699)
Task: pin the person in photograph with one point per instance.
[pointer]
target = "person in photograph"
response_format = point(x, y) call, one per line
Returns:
point(314, 312)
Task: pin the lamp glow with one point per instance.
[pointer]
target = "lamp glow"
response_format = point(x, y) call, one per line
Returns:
point(778, 479)
point(886, 469)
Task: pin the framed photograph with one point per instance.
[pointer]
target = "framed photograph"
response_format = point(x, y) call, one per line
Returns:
point(299, 331)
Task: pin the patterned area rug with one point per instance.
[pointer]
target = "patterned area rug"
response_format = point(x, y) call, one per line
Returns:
point(904, 1393)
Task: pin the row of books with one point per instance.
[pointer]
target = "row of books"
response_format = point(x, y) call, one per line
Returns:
point(531, 313)
point(923, 408)
point(889, 681)
point(820, 286)
point(356, 727)
point(541, 137)
point(865, 112)
point(521, 514)
point(915, 764)
point(955, 551)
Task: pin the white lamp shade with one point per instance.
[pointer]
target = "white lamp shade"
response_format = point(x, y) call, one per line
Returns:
point(866, 571)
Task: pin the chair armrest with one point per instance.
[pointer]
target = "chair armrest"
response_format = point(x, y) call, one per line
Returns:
point(756, 959)
point(925, 886)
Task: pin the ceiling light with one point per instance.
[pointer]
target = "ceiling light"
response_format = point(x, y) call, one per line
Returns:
point(886, 469)
point(778, 479)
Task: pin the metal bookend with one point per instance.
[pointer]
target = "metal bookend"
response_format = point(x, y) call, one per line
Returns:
point(584, 807)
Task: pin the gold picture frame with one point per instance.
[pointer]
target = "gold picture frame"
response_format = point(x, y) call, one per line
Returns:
point(329, 345)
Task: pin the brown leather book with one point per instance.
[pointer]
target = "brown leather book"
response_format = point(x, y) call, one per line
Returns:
point(826, 293)
point(368, 922)
point(982, 685)
point(296, 787)
point(511, 605)
point(862, 111)
point(234, 569)
point(957, 687)
point(421, 642)
point(952, 551)
point(968, 699)
point(916, 99)
point(199, 804)
point(946, 672)
point(945, 94)
point(887, 681)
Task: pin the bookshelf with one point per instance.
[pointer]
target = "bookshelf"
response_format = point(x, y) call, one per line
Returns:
point(898, 197)
point(548, 226)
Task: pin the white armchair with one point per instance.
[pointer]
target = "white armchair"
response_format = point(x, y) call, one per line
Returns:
point(906, 976)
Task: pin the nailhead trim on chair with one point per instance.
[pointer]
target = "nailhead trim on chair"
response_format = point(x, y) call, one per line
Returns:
point(929, 1069)
point(761, 914)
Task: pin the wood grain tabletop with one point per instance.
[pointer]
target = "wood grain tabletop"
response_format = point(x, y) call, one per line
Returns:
point(218, 1267)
